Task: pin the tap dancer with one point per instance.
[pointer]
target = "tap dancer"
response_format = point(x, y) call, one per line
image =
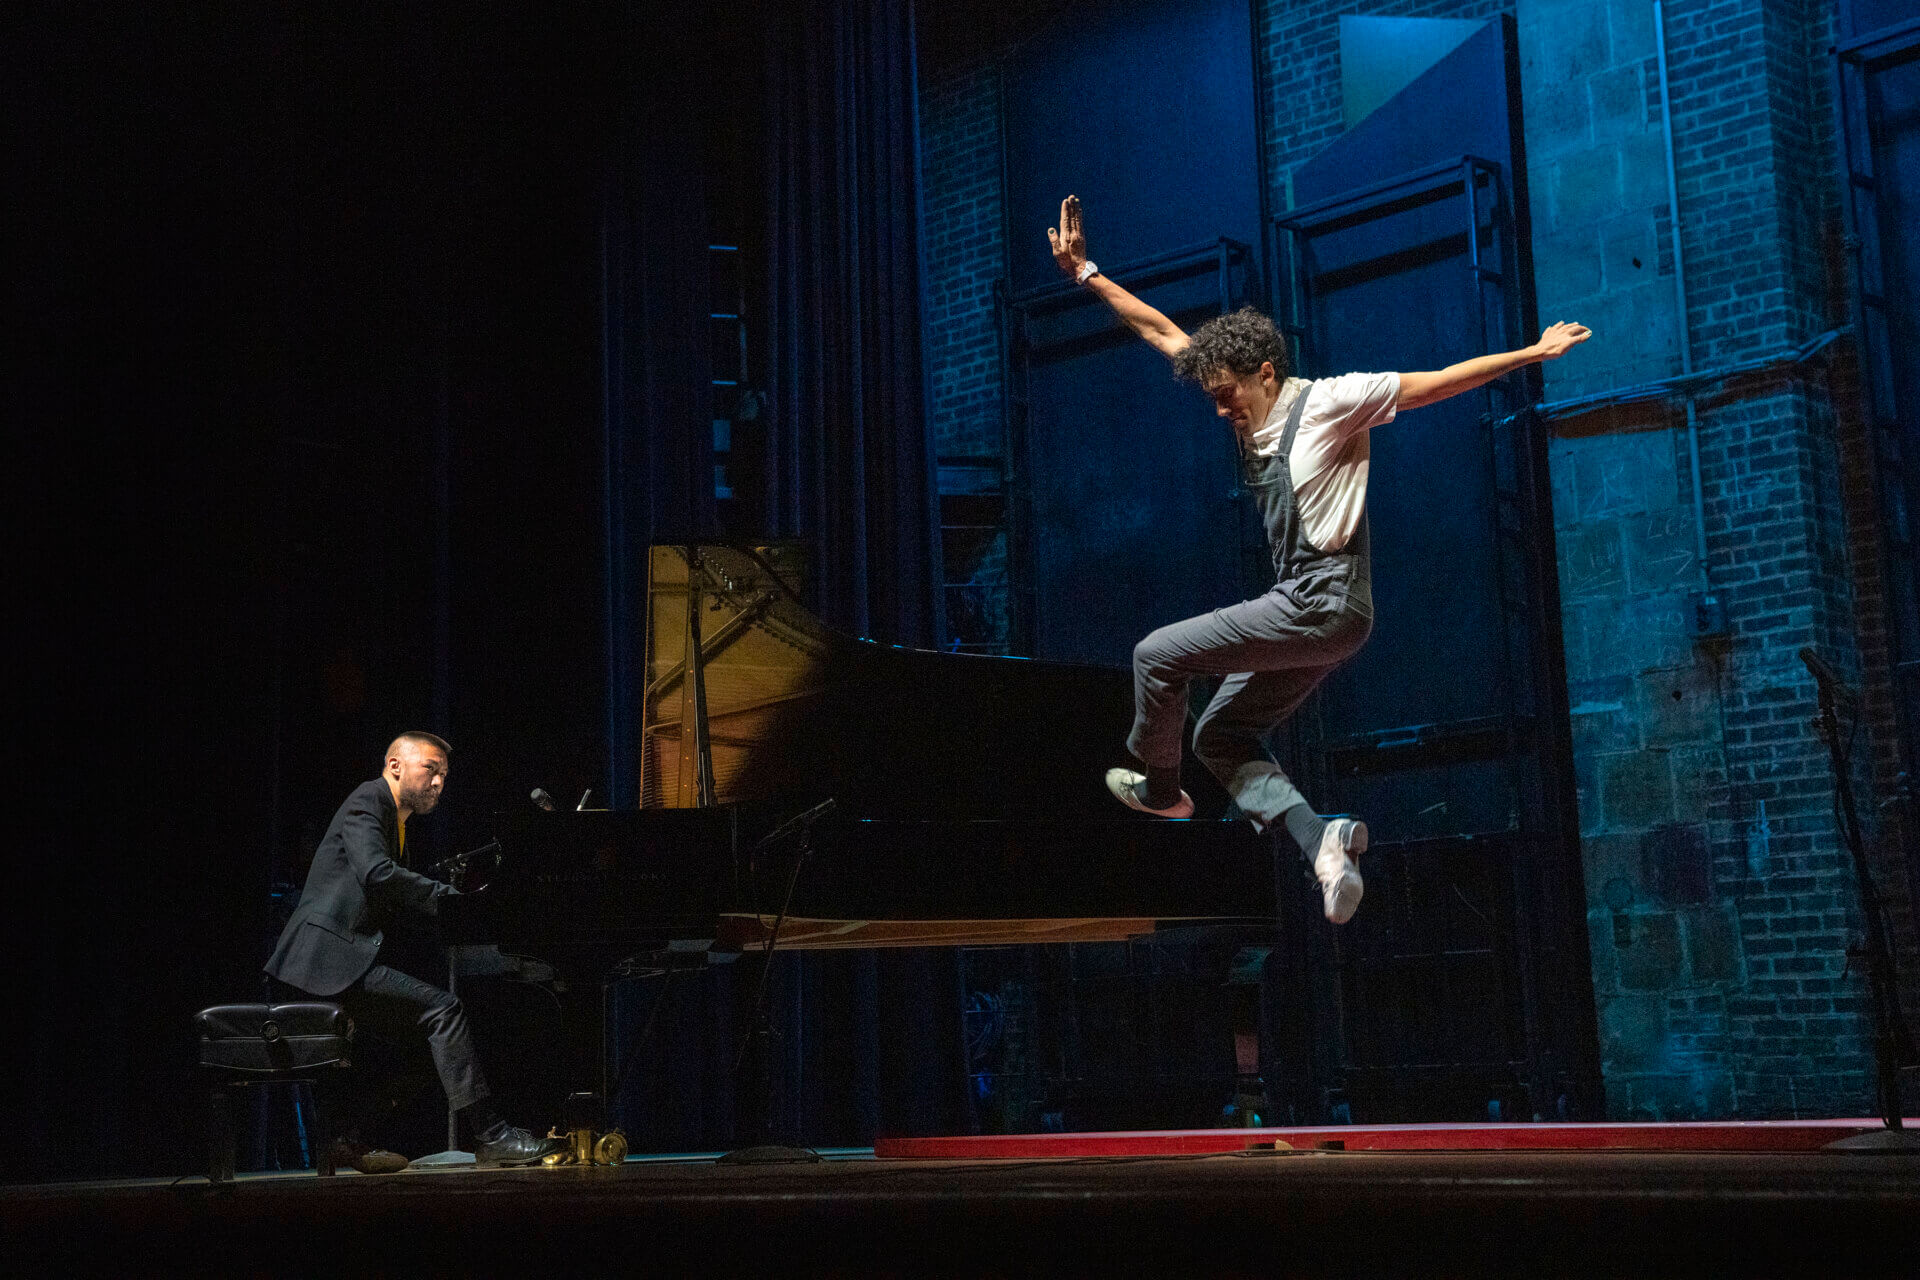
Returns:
point(1303, 445)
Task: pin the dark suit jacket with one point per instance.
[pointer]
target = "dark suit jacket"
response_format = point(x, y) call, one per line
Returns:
point(354, 890)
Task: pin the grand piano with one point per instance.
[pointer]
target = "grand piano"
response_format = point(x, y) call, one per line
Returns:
point(967, 801)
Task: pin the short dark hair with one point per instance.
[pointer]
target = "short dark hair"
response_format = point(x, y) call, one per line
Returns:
point(423, 737)
point(1238, 342)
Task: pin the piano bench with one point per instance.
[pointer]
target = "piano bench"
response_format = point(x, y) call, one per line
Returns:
point(243, 1045)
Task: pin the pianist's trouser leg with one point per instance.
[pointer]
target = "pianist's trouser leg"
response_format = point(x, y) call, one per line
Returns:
point(1273, 652)
point(398, 1006)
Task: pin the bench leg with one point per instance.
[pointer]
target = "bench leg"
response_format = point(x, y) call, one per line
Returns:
point(220, 1137)
point(318, 1129)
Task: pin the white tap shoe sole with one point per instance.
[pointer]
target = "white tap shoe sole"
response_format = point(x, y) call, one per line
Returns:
point(1124, 783)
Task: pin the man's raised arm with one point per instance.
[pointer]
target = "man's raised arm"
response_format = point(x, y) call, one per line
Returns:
point(1069, 241)
point(1418, 389)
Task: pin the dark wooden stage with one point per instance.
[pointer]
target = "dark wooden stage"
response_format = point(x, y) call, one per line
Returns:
point(1433, 1201)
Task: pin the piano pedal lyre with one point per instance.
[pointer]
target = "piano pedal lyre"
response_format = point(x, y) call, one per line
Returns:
point(585, 1147)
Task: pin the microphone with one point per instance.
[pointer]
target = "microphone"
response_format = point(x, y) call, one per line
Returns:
point(459, 861)
point(1827, 678)
point(545, 801)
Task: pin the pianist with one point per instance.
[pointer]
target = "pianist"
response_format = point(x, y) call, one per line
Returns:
point(357, 889)
point(1303, 448)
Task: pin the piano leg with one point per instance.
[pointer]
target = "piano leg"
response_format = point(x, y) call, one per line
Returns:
point(1249, 1108)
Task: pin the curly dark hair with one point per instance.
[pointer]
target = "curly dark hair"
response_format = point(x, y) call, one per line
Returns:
point(1238, 342)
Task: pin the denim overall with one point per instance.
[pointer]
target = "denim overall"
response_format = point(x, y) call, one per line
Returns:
point(1272, 652)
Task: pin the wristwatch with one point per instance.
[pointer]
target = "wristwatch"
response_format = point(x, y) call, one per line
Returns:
point(1088, 270)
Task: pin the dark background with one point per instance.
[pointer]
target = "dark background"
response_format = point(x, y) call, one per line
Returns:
point(363, 354)
point(310, 445)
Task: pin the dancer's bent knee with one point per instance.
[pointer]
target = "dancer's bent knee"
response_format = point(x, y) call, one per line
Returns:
point(1224, 748)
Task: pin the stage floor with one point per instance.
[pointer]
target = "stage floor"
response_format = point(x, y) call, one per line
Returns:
point(1372, 1210)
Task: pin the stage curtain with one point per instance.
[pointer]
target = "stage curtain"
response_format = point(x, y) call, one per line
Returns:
point(657, 396)
point(867, 1043)
point(849, 466)
point(849, 469)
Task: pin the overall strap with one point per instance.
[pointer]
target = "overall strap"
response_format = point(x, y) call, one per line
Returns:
point(1293, 421)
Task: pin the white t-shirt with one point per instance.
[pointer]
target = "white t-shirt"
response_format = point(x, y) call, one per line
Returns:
point(1329, 456)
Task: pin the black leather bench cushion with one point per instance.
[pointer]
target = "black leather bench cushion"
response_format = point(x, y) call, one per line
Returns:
point(274, 1037)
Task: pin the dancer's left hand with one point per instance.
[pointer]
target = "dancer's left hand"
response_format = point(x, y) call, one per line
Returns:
point(1560, 338)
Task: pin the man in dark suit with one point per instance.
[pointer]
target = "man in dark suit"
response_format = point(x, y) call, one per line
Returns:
point(358, 889)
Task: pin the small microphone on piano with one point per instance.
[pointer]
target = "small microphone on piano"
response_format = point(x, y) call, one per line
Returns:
point(545, 801)
point(584, 797)
point(459, 861)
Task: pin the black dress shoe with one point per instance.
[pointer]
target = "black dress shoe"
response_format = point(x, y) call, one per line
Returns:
point(505, 1144)
point(357, 1155)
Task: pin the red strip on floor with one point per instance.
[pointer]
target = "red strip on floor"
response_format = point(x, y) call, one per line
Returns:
point(1719, 1135)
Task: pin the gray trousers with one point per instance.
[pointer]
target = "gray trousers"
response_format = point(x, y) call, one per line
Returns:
point(1273, 652)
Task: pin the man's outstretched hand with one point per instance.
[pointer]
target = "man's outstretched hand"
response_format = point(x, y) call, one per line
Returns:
point(1561, 338)
point(1069, 239)
point(1418, 389)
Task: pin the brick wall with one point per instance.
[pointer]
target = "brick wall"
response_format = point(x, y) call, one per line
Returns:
point(1720, 898)
point(1822, 273)
point(966, 254)
point(1598, 181)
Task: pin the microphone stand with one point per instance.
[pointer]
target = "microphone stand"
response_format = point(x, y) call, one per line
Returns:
point(1892, 1047)
point(760, 1023)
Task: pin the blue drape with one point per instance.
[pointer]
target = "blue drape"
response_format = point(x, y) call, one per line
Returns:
point(849, 466)
point(864, 1044)
point(873, 1041)
point(657, 397)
